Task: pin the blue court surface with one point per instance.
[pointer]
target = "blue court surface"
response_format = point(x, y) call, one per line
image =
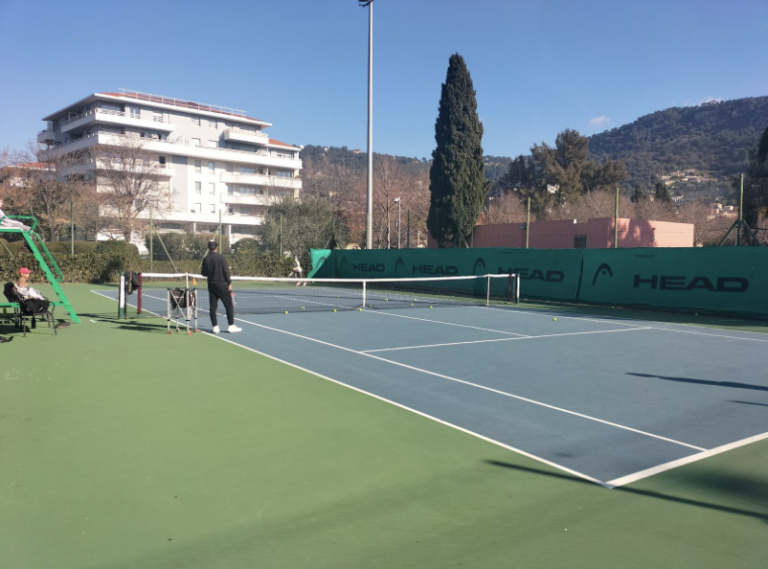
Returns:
point(609, 400)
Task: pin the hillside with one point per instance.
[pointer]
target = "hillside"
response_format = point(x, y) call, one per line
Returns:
point(712, 139)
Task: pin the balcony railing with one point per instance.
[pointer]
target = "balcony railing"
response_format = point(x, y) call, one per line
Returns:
point(181, 141)
point(136, 116)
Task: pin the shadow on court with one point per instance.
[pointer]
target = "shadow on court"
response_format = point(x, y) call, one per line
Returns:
point(738, 487)
point(731, 384)
point(749, 403)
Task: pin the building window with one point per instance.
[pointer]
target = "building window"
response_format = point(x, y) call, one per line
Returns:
point(198, 187)
point(134, 112)
point(211, 167)
point(282, 173)
point(198, 166)
point(247, 170)
point(198, 208)
point(196, 121)
point(213, 208)
point(195, 142)
point(161, 160)
point(230, 168)
point(212, 188)
point(579, 241)
point(212, 123)
point(230, 210)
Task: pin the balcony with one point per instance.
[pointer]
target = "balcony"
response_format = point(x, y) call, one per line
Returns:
point(277, 182)
point(248, 199)
point(247, 136)
point(182, 146)
point(107, 116)
point(46, 136)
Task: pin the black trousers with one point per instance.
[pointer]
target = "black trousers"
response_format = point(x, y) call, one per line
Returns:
point(218, 292)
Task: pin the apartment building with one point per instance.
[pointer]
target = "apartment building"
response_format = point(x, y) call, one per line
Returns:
point(216, 163)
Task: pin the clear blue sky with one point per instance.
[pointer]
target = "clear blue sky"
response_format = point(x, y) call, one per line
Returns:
point(538, 66)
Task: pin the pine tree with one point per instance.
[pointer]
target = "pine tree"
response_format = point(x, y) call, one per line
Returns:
point(457, 176)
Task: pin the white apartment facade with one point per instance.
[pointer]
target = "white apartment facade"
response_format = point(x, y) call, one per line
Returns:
point(217, 164)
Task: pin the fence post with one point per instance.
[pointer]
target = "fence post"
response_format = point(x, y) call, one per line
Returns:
point(408, 230)
point(741, 212)
point(528, 223)
point(616, 222)
point(151, 243)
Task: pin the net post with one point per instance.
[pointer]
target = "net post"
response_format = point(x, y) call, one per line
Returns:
point(488, 290)
point(517, 286)
point(510, 284)
point(364, 283)
point(138, 297)
point(121, 298)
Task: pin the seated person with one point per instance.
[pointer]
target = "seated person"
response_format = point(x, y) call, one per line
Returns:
point(23, 289)
point(10, 223)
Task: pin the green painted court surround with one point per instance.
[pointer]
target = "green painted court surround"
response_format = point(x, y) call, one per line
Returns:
point(123, 447)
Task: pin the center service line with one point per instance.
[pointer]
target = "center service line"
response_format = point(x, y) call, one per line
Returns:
point(504, 339)
point(483, 387)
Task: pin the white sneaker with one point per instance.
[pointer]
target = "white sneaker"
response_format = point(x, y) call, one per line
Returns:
point(216, 330)
point(234, 328)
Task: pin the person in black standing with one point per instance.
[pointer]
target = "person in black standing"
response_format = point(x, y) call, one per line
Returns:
point(216, 270)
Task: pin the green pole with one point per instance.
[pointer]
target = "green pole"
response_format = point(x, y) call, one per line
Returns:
point(72, 227)
point(151, 242)
point(280, 236)
point(528, 223)
point(408, 230)
point(741, 212)
point(616, 222)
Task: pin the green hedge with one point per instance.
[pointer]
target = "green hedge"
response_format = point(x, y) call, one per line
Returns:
point(106, 260)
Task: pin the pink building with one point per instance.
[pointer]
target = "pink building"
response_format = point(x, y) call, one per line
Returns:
point(592, 234)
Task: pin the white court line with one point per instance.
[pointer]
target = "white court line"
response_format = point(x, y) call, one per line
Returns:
point(477, 385)
point(445, 323)
point(504, 340)
point(682, 461)
point(415, 411)
point(669, 329)
point(709, 334)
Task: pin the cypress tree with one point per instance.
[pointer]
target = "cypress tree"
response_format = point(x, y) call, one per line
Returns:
point(457, 176)
point(661, 194)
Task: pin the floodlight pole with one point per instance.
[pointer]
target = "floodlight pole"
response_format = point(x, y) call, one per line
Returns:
point(369, 194)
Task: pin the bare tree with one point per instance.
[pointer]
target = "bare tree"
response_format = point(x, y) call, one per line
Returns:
point(45, 181)
point(132, 182)
point(506, 207)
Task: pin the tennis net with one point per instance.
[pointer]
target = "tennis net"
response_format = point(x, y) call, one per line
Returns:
point(258, 295)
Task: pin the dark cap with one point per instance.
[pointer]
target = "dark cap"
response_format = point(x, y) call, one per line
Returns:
point(212, 245)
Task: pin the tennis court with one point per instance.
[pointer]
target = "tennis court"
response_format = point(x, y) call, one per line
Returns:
point(126, 447)
point(605, 399)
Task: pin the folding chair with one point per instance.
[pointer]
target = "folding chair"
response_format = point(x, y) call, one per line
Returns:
point(25, 308)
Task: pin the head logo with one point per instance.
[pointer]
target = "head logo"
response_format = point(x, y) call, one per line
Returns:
point(478, 264)
point(604, 269)
point(399, 263)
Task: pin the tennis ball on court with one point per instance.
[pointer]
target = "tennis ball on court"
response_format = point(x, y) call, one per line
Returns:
point(386, 299)
point(334, 310)
point(360, 309)
point(430, 307)
point(286, 312)
point(554, 319)
point(303, 308)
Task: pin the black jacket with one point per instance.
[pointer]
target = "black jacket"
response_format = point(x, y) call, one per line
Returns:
point(215, 268)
